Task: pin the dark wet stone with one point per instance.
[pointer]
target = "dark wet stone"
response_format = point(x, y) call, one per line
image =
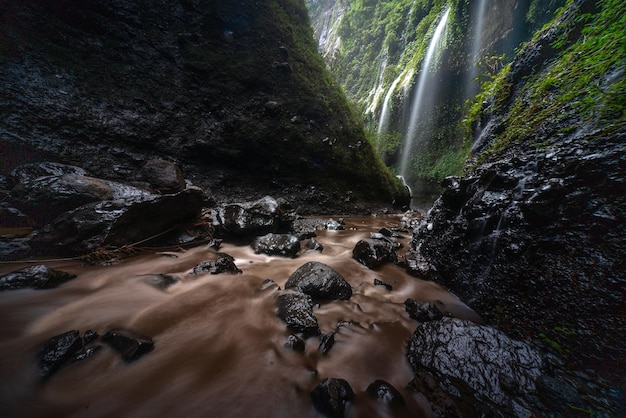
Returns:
point(45, 198)
point(13, 248)
point(86, 353)
point(386, 232)
point(285, 245)
point(314, 245)
point(442, 403)
point(162, 281)
point(331, 396)
point(557, 394)
point(37, 277)
point(305, 228)
point(130, 345)
point(320, 281)
point(253, 218)
point(327, 342)
point(477, 356)
point(58, 351)
point(117, 223)
point(295, 343)
point(335, 225)
point(11, 217)
point(223, 263)
point(215, 244)
point(296, 309)
point(28, 172)
point(164, 176)
point(386, 393)
point(374, 253)
point(90, 336)
point(383, 284)
point(422, 311)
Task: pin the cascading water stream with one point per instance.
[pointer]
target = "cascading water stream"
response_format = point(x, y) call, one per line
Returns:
point(471, 86)
point(383, 121)
point(421, 93)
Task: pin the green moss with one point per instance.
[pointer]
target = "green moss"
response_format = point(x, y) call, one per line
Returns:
point(585, 83)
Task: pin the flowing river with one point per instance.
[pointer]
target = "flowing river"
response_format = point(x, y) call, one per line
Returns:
point(219, 347)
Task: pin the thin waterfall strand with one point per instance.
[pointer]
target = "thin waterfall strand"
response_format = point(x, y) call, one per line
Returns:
point(420, 93)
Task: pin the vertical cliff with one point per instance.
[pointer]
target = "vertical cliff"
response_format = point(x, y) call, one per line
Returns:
point(531, 236)
point(234, 92)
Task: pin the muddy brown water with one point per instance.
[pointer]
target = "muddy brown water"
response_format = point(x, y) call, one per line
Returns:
point(219, 346)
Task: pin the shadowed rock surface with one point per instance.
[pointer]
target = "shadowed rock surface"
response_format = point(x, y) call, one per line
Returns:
point(237, 96)
point(296, 309)
point(37, 277)
point(498, 368)
point(319, 281)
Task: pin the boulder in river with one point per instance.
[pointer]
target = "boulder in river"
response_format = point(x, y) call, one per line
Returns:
point(319, 281)
point(253, 218)
point(58, 351)
point(129, 344)
point(223, 263)
point(296, 309)
point(38, 277)
point(331, 396)
point(373, 253)
point(481, 357)
point(286, 245)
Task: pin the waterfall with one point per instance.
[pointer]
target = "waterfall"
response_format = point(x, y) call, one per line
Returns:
point(383, 121)
point(420, 93)
point(326, 32)
point(378, 90)
point(471, 86)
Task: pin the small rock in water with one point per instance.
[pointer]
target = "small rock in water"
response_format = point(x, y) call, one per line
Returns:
point(129, 344)
point(58, 351)
point(314, 245)
point(374, 253)
point(385, 392)
point(224, 263)
point(383, 284)
point(37, 277)
point(296, 309)
point(333, 225)
point(162, 281)
point(285, 245)
point(331, 396)
point(295, 343)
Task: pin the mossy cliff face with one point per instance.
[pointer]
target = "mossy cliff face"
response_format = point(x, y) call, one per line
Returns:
point(531, 236)
point(375, 49)
point(234, 92)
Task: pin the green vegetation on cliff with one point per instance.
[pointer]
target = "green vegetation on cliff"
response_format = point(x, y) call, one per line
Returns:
point(582, 87)
point(378, 46)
